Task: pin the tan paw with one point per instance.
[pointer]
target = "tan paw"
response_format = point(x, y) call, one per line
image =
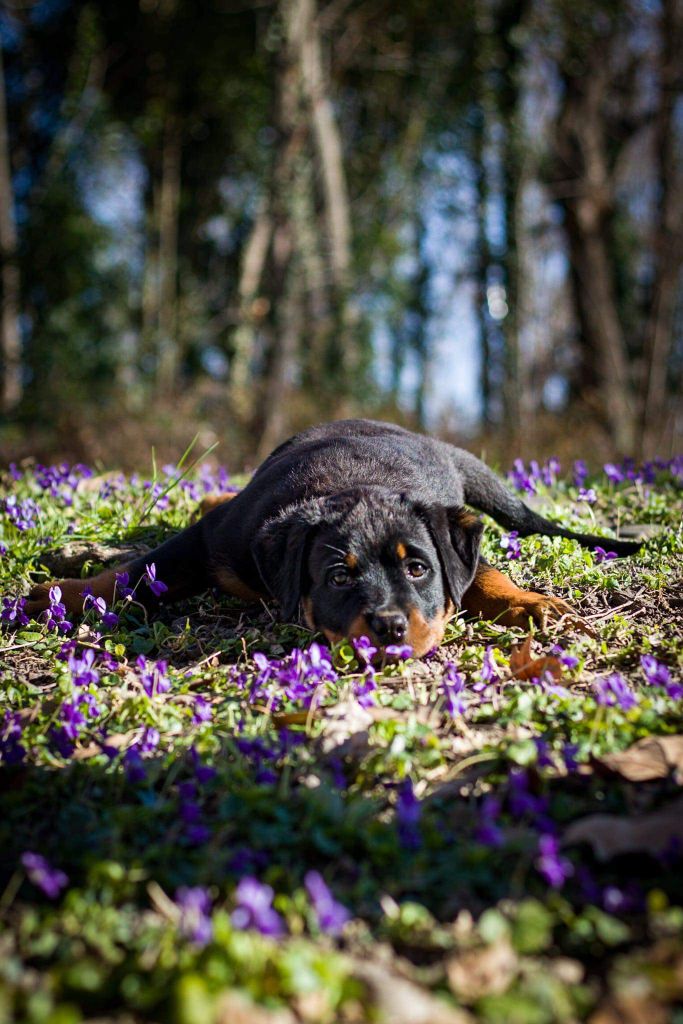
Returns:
point(72, 597)
point(542, 610)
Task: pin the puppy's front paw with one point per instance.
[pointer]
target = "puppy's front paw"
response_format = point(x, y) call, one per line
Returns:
point(71, 597)
point(543, 610)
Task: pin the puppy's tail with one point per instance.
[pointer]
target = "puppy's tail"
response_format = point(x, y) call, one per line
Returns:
point(484, 491)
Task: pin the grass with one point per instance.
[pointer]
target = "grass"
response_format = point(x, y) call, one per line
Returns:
point(429, 822)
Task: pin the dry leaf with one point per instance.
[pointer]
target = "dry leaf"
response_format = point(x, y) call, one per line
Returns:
point(524, 666)
point(610, 835)
point(398, 1001)
point(116, 740)
point(654, 757)
point(481, 972)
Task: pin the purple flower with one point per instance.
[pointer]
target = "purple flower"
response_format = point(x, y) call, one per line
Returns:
point(109, 618)
point(364, 691)
point(22, 514)
point(195, 914)
point(13, 611)
point(364, 648)
point(589, 496)
point(603, 556)
point(554, 868)
point(520, 479)
point(202, 711)
point(43, 875)
point(82, 669)
point(488, 673)
point(550, 470)
point(613, 690)
point(569, 752)
point(408, 814)
point(150, 740)
point(122, 588)
point(55, 613)
point(488, 833)
point(332, 916)
point(580, 472)
point(658, 674)
point(614, 474)
point(254, 908)
point(12, 750)
point(156, 586)
point(568, 660)
point(153, 676)
point(510, 545)
point(452, 686)
point(72, 719)
point(400, 651)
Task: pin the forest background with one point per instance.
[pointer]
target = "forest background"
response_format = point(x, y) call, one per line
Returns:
point(236, 218)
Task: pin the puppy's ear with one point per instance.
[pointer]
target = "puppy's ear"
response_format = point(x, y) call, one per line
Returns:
point(457, 536)
point(280, 551)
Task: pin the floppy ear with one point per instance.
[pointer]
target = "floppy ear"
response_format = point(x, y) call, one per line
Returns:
point(280, 551)
point(457, 536)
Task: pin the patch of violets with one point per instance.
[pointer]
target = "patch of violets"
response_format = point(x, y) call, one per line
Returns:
point(331, 915)
point(525, 480)
point(509, 542)
point(254, 908)
point(614, 691)
point(22, 514)
point(195, 923)
point(658, 674)
point(61, 481)
point(298, 677)
point(40, 872)
point(13, 611)
point(55, 613)
point(153, 676)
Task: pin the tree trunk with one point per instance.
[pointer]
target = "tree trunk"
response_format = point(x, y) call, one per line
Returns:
point(250, 311)
point(10, 338)
point(588, 202)
point(169, 206)
point(668, 234)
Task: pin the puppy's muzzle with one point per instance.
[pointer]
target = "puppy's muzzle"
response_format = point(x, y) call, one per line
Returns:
point(390, 627)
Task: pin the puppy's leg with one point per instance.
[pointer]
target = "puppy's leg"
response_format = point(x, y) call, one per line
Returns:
point(496, 597)
point(181, 563)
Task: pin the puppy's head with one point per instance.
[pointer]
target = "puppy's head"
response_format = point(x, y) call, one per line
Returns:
point(369, 562)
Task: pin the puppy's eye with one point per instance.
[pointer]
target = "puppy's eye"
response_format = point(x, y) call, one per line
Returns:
point(416, 570)
point(340, 578)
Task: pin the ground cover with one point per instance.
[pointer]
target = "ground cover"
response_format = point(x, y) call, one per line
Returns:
point(209, 816)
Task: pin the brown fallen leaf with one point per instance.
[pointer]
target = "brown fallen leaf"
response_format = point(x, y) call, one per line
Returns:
point(117, 740)
point(524, 666)
point(654, 757)
point(480, 972)
point(610, 835)
point(396, 1000)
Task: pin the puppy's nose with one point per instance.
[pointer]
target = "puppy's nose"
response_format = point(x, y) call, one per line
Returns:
point(389, 627)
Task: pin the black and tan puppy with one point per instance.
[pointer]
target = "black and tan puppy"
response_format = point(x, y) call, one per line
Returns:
point(363, 527)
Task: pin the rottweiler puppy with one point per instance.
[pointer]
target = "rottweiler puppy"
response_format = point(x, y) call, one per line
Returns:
point(362, 528)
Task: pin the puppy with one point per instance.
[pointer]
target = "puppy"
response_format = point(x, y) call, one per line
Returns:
point(360, 526)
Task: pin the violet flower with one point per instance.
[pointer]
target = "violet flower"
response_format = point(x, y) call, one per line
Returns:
point(50, 880)
point(488, 832)
point(195, 914)
point(364, 649)
point(254, 908)
point(613, 691)
point(589, 496)
point(400, 651)
point(55, 613)
point(580, 472)
point(603, 556)
point(452, 686)
point(331, 915)
point(156, 586)
point(13, 611)
point(153, 676)
point(510, 545)
point(83, 672)
point(554, 868)
point(201, 711)
point(408, 814)
point(658, 674)
point(12, 750)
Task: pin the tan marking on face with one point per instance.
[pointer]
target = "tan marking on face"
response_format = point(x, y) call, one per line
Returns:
point(422, 634)
point(401, 549)
point(230, 583)
point(351, 560)
point(307, 604)
point(359, 627)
